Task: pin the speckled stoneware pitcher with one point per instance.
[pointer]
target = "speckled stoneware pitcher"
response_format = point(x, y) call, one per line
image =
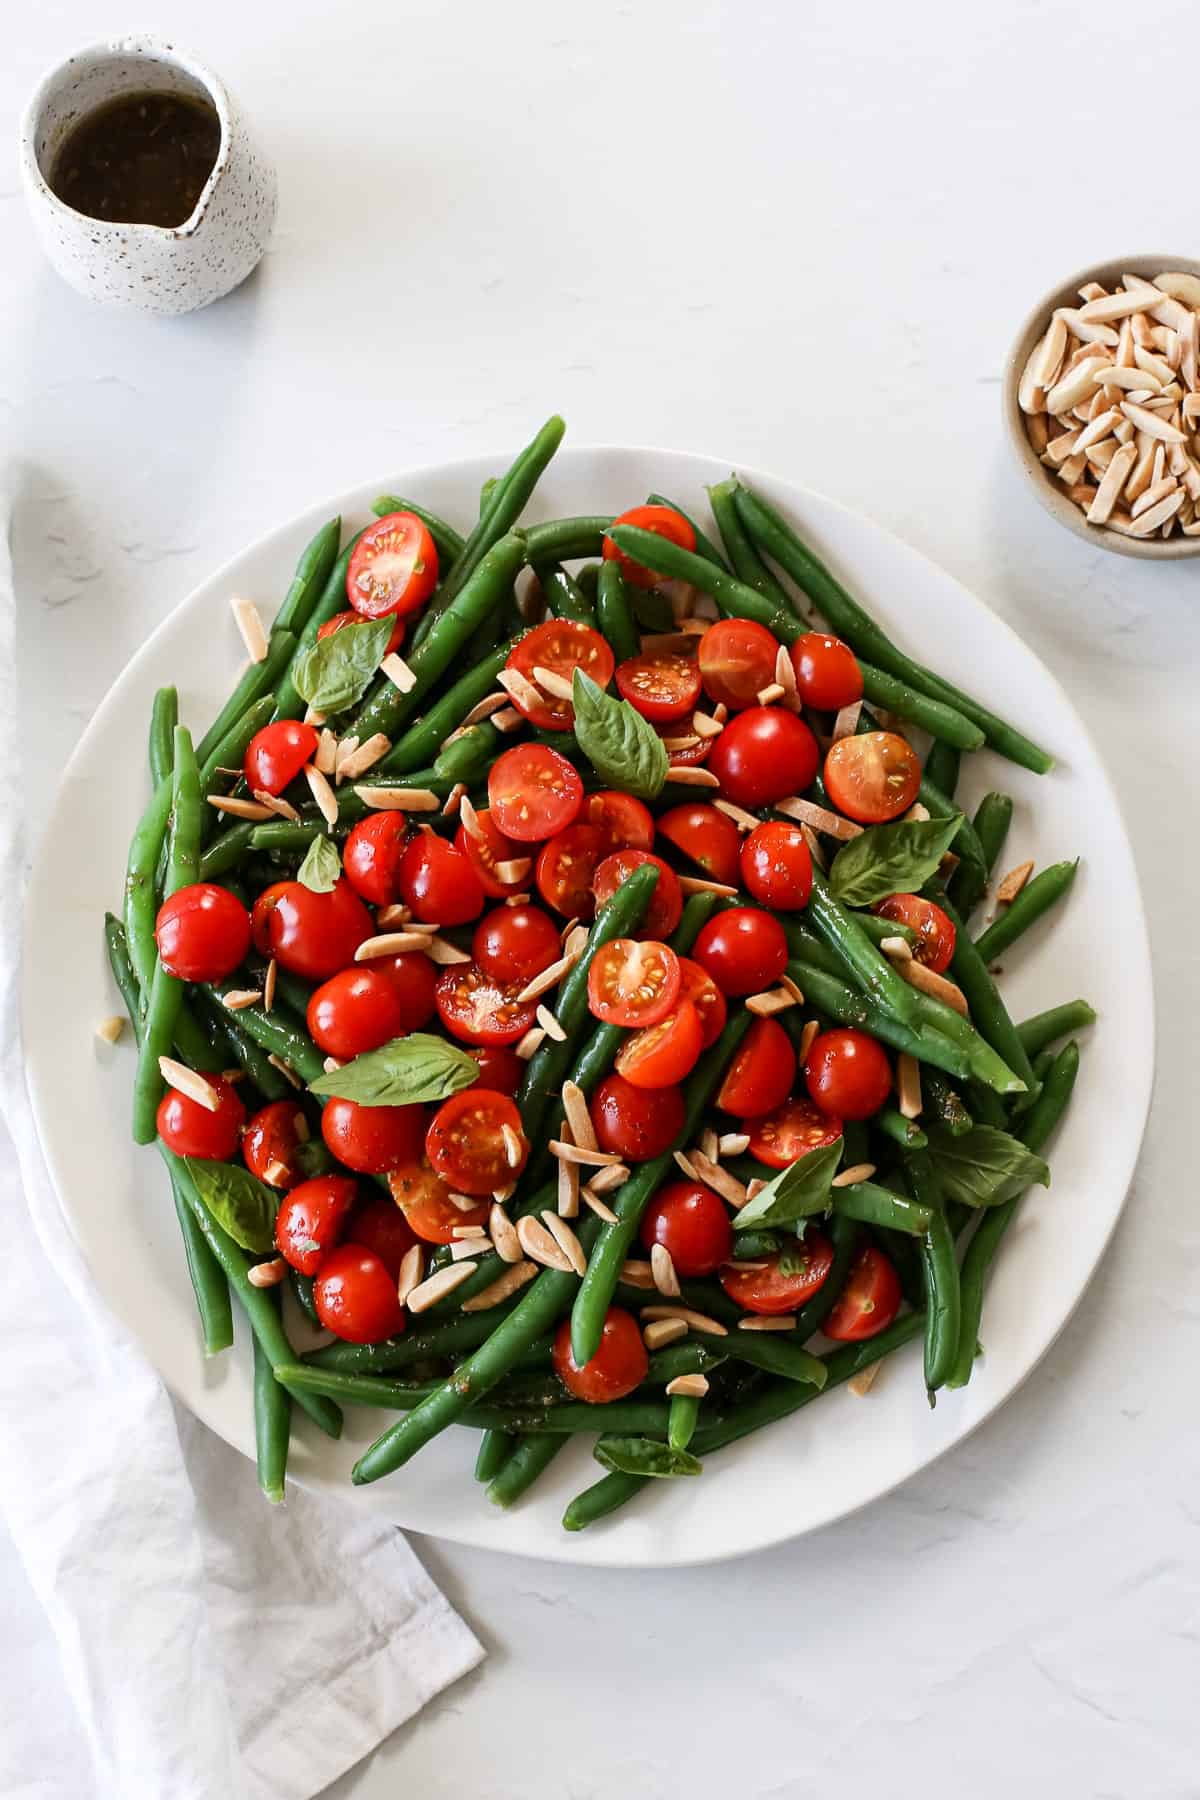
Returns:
point(152, 268)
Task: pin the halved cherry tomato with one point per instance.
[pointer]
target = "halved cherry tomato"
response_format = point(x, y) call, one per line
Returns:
point(315, 935)
point(624, 821)
point(847, 1073)
point(788, 1132)
point(665, 522)
point(562, 646)
point(393, 567)
point(619, 1365)
point(761, 1074)
point(566, 867)
point(768, 1291)
point(661, 684)
point(310, 1221)
point(190, 1129)
point(936, 933)
point(276, 754)
point(666, 904)
point(764, 754)
point(869, 1301)
point(776, 866)
point(378, 1224)
point(698, 986)
point(473, 1139)
point(353, 618)
point(827, 673)
point(425, 1201)
point(373, 1139)
point(372, 856)
point(873, 777)
point(662, 1054)
point(500, 1069)
point(686, 748)
point(271, 1140)
point(481, 1011)
point(356, 1298)
point(202, 932)
point(691, 1224)
point(415, 980)
point(439, 881)
point(636, 1123)
point(260, 915)
point(705, 835)
point(515, 943)
point(533, 792)
point(743, 949)
point(633, 982)
point(357, 1009)
point(488, 850)
point(737, 660)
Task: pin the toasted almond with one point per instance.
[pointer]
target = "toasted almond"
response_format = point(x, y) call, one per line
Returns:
point(1012, 883)
point(398, 799)
point(1109, 491)
point(1156, 366)
point(514, 1278)
point(504, 1234)
point(277, 805)
point(1099, 428)
point(855, 1173)
point(636, 1274)
point(549, 977)
point(398, 673)
point(1152, 423)
point(467, 1231)
point(720, 1180)
point(552, 682)
point(515, 1148)
point(285, 1069)
point(808, 1036)
point(187, 1081)
point(1157, 515)
point(519, 688)
point(745, 821)
point(531, 1043)
point(684, 775)
point(785, 676)
point(863, 1382)
point(1128, 379)
point(710, 1144)
point(322, 793)
point(1080, 384)
point(364, 757)
point(578, 1153)
point(578, 1115)
point(270, 983)
point(333, 1064)
point(566, 1240)
point(1112, 306)
point(1072, 469)
point(846, 722)
point(502, 1195)
point(325, 754)
point(241, 809)
point(733, 1143)
point(1158, 490)
point(918, 976)
point(540, 1247)
point(692, 1387)
point(1052, 349)
point(606, 1181)
point(663, 1270)
point(1030, 396)
point(696, 884)
point(684, 1163)
point(1038, 431)
point(896, 949)
point(817, 818)
point(768, 695)
point(515, 868)
point(472, 1246)
point(568, 1190)
point(766, 1005)
point(237, 999)
point(550, 1025)
point(391, 943)
point(345, 749)
point(412, 1268)
point(768, 1322)
point(908, 1085)
point(250, 625)
point(705, 727)
point(600, 1207)
point(267, 1274)
point(507, 719)
point(109, 1030)
point(698, 1321)
point(454, 800)
point(1091, 290)
point(1180, 286)
point(1089, 331)
point(442, 1282)
point(661, 1332)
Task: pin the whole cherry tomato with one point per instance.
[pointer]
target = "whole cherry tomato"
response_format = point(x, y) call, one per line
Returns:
point(936, 933)
point(619, 1365)
point(190, 1129)
point(202, 932)
point(310, 1220)
point(372, 856)
point(636, 1123)
point(356, 1297)
point(847, 1073)
point(827, 673)
point(743, 949)
point(271, 1141)
point(776, 866)
point(737, 660)
point(763, 755)
point(314, 935)
point(692, 1225)
point(666, 904)
point(373, 1139)
point(357, 1009)
point(378, 1224)
point(439, 882)
point(276, 754)
point(414, 978)
point(500, 1068)
point(515, 943)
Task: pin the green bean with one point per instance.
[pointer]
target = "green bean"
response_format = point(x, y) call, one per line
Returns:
point(846, 1006)
point(424, 738)
point(993, 817)
point(939, 1266)
point(495, 1448)
point(587, 580)
point(704, 545)
point(275, 1032)
point(312, 573)
point(259, 679)
point(166, 990)
point(747, 564)
point(331, 600)
point(989, 1015)
point(271, 1083)
point(565, 540)
point(603, 1497)
point(563, 1418)
point(226, 851)
point(682, 1420)
point(1035, 898)
point(877, 929)
point(469, 756)
point(945, 1104)
point(532, 1455)
point(733, 597)
point(871, 1204)
point(303, 1289)
point(486, 490)
point(905, 1257)
point(272, 1422)
point(564, 599)
point(944, 722)
point(449, 1337)
point(694, 1356)
point(140, 901)
point(942, 766)
point(697, 911)
point(776, 1355)
point(614, 611)
point(164, 717)
point(905, 1132)
point(1056, 1022)
point(843, 934)
point(447, 541)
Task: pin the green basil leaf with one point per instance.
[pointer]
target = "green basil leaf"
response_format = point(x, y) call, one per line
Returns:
point(321, 866)
point(643, 1456)
point(409, 1071)
point(337, 670)
point(802, 1188)
point(890, 859)
point(621, 746)
point(241, 1205)
point(985, 1166)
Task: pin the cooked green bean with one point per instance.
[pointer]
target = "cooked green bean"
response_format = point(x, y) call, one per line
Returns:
point(1056, 1022)
point(614, 611)
point(682, 1420)
point(164, 717)
point(272, 1421)
point(747, 564)
point(846, 1006)
point(448, 542)
point(993, 816)
point(565, 540)
point(166, 990)
point(944, 722)
point(939, 1267)
point(841, 931)
point(1036, 897)
point(704, 544)
point(565, 601)
point(942, 766)
point(989, 1015)
point(871, 1204)
point(905, 1132)
point(495, 1448)
point(532, 1455)
point(331, 600)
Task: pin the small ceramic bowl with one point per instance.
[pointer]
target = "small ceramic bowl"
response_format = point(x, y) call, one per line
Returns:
point(1044, 485)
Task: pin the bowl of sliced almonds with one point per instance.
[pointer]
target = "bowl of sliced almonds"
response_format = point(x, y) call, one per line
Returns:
point(1102, 402)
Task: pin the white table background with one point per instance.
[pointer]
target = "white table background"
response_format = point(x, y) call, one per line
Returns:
point(802, 236)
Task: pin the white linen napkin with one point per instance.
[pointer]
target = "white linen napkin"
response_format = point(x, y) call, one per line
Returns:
point(212, 1643)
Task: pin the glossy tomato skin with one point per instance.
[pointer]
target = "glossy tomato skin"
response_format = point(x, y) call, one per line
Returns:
point(632, 982)
point(698, 986)
point(692, 1224)
point(743, 949)
point(763, 755)
point(425, 1201)
point(623, 820)
point(666, 904)
point(847, 1073)
point(665, 522)
point(357, 1009)
point(190, 1129)
point(315, 935)
point(827, 673)
point(339, 620)
point(936, 932)
point(636, 1123)
point(686, 748)
point(414, 978)
point(486, 849)
point(276, 754)
point(562, 646)
point(515, 943)
point(659, 1056)
point(776, 866)
point(477, 1010)
point(438, 881)
point(310, 1220)
point(761, 1074)
point(709, 838)
point(566, 868)
point(356, 1297)
point(769, 1292)
point(377, 1224)
point(619, 1365)
point(737, 660)
point(661, 685)
point(533, 792)
point(500, 1069)
point(202, 932)
point(869, 1301)
point(468, 1137)
point(393, 567)
point(872, 777)
point(372, 856)
point(373, 1139)
point(271, 1140)
point(260, 915)
point(789, 1131)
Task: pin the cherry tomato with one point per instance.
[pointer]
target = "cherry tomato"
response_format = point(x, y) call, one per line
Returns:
point(190, 1129)
point(764, 754)
point(624, 821)
point(737, 660)
point(276, 754)
point(378, 1224)
point(271, 1140)
point(936, 934)
point(566, 867)
point(414, 978)
point(373, 1139)
point(666, 904)
point(260, 915)
point(743, 949)
point(632, 982)
point(776, 866)
point(372, 855)
point(309, 1222)
point(481, 1011)
point(562, 646)
point(873, 777)
point(827, 673)
point(660, 1055)
point(761, 1074)
point(533, 792)
point(515, 943)
point(698, 986)
point(355, 1010)
point(425, 1201)
point(353, 618)
point(439, 881)
point(488, 850)
point(636, 1123)
point(769, 1291)
point(315, 935)
point(619, 1365)
point(202, 932)
point(847, 1073)
point(869, 1301)
point(686, 748)
point(661, 684)
point(473, 1139)
point(393, 567)
point(790, 1131)
point(356, 1297)
point(691, 1224)
point(665, 522)
point(708, 837)
point(500, 1069)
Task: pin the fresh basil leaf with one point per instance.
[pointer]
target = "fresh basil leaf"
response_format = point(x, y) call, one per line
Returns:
point(241, 1205)
point(407, 1072)
point(643, 1456)
point(321, 866)
point(620, 745)
point(985, 1166)
point(890, 859)
point(800, 1189)
point(336, 671)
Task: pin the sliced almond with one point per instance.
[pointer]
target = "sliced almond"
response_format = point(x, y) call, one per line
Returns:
point(552, 682)
point(507, 719)
point(1012, 883)
point(531, 1043)
point(697, 1321)
point(785, 677)
point(578, 1153)
point(398, 799)
point(745, 821)
point(1089, 331)
point(540, 1247)
point(364, 757)
point(1181, 286)
point(568, 1190)
point(908, 1085)
point(549, 977)
point(578, 1116)
point(514, 1278)
point(285, 1069)
point(189, 1082)
point(322, 793)
point(504, 1234)
point(817, 818)
point(1158, 490)
point(853, 1175)
point(550, 1025)
point(241, 809)
point(1098, 429)
point(692, 1387)
point(1157, 515)
point(237, 999)
point(607, 1180)
point(705, 727)
point(277, 805)
point(600, 1207)
point(1152, 423)
point(684, 1163)
point(637, 1274)
point(1051, 351)
point(1109, 491)
point(896, 949)
point(270, 983)
point(1030, 396)
point(109, 1030)
point(663, 1270)
point(918, 976)
point(521, 689)
point(250, 625)
point(766, 1005)
point(391, 943)
point(1112, 306)
point(721, 1181)
point(862, 1383)
point(439, 1284)
point(661, 1332)
point(733, 1143)
point(514, 868)
point(697, 884)
point(566, 1240)
point(325, 754)
point(267, 1274)
point(412, 1268)
point(768, 1322)
point(398, 673)
point(483, 709)
point(688, 775)
point(845, 723)
point(1080, 384)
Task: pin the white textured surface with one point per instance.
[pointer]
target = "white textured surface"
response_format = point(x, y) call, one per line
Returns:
point(711, 226)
